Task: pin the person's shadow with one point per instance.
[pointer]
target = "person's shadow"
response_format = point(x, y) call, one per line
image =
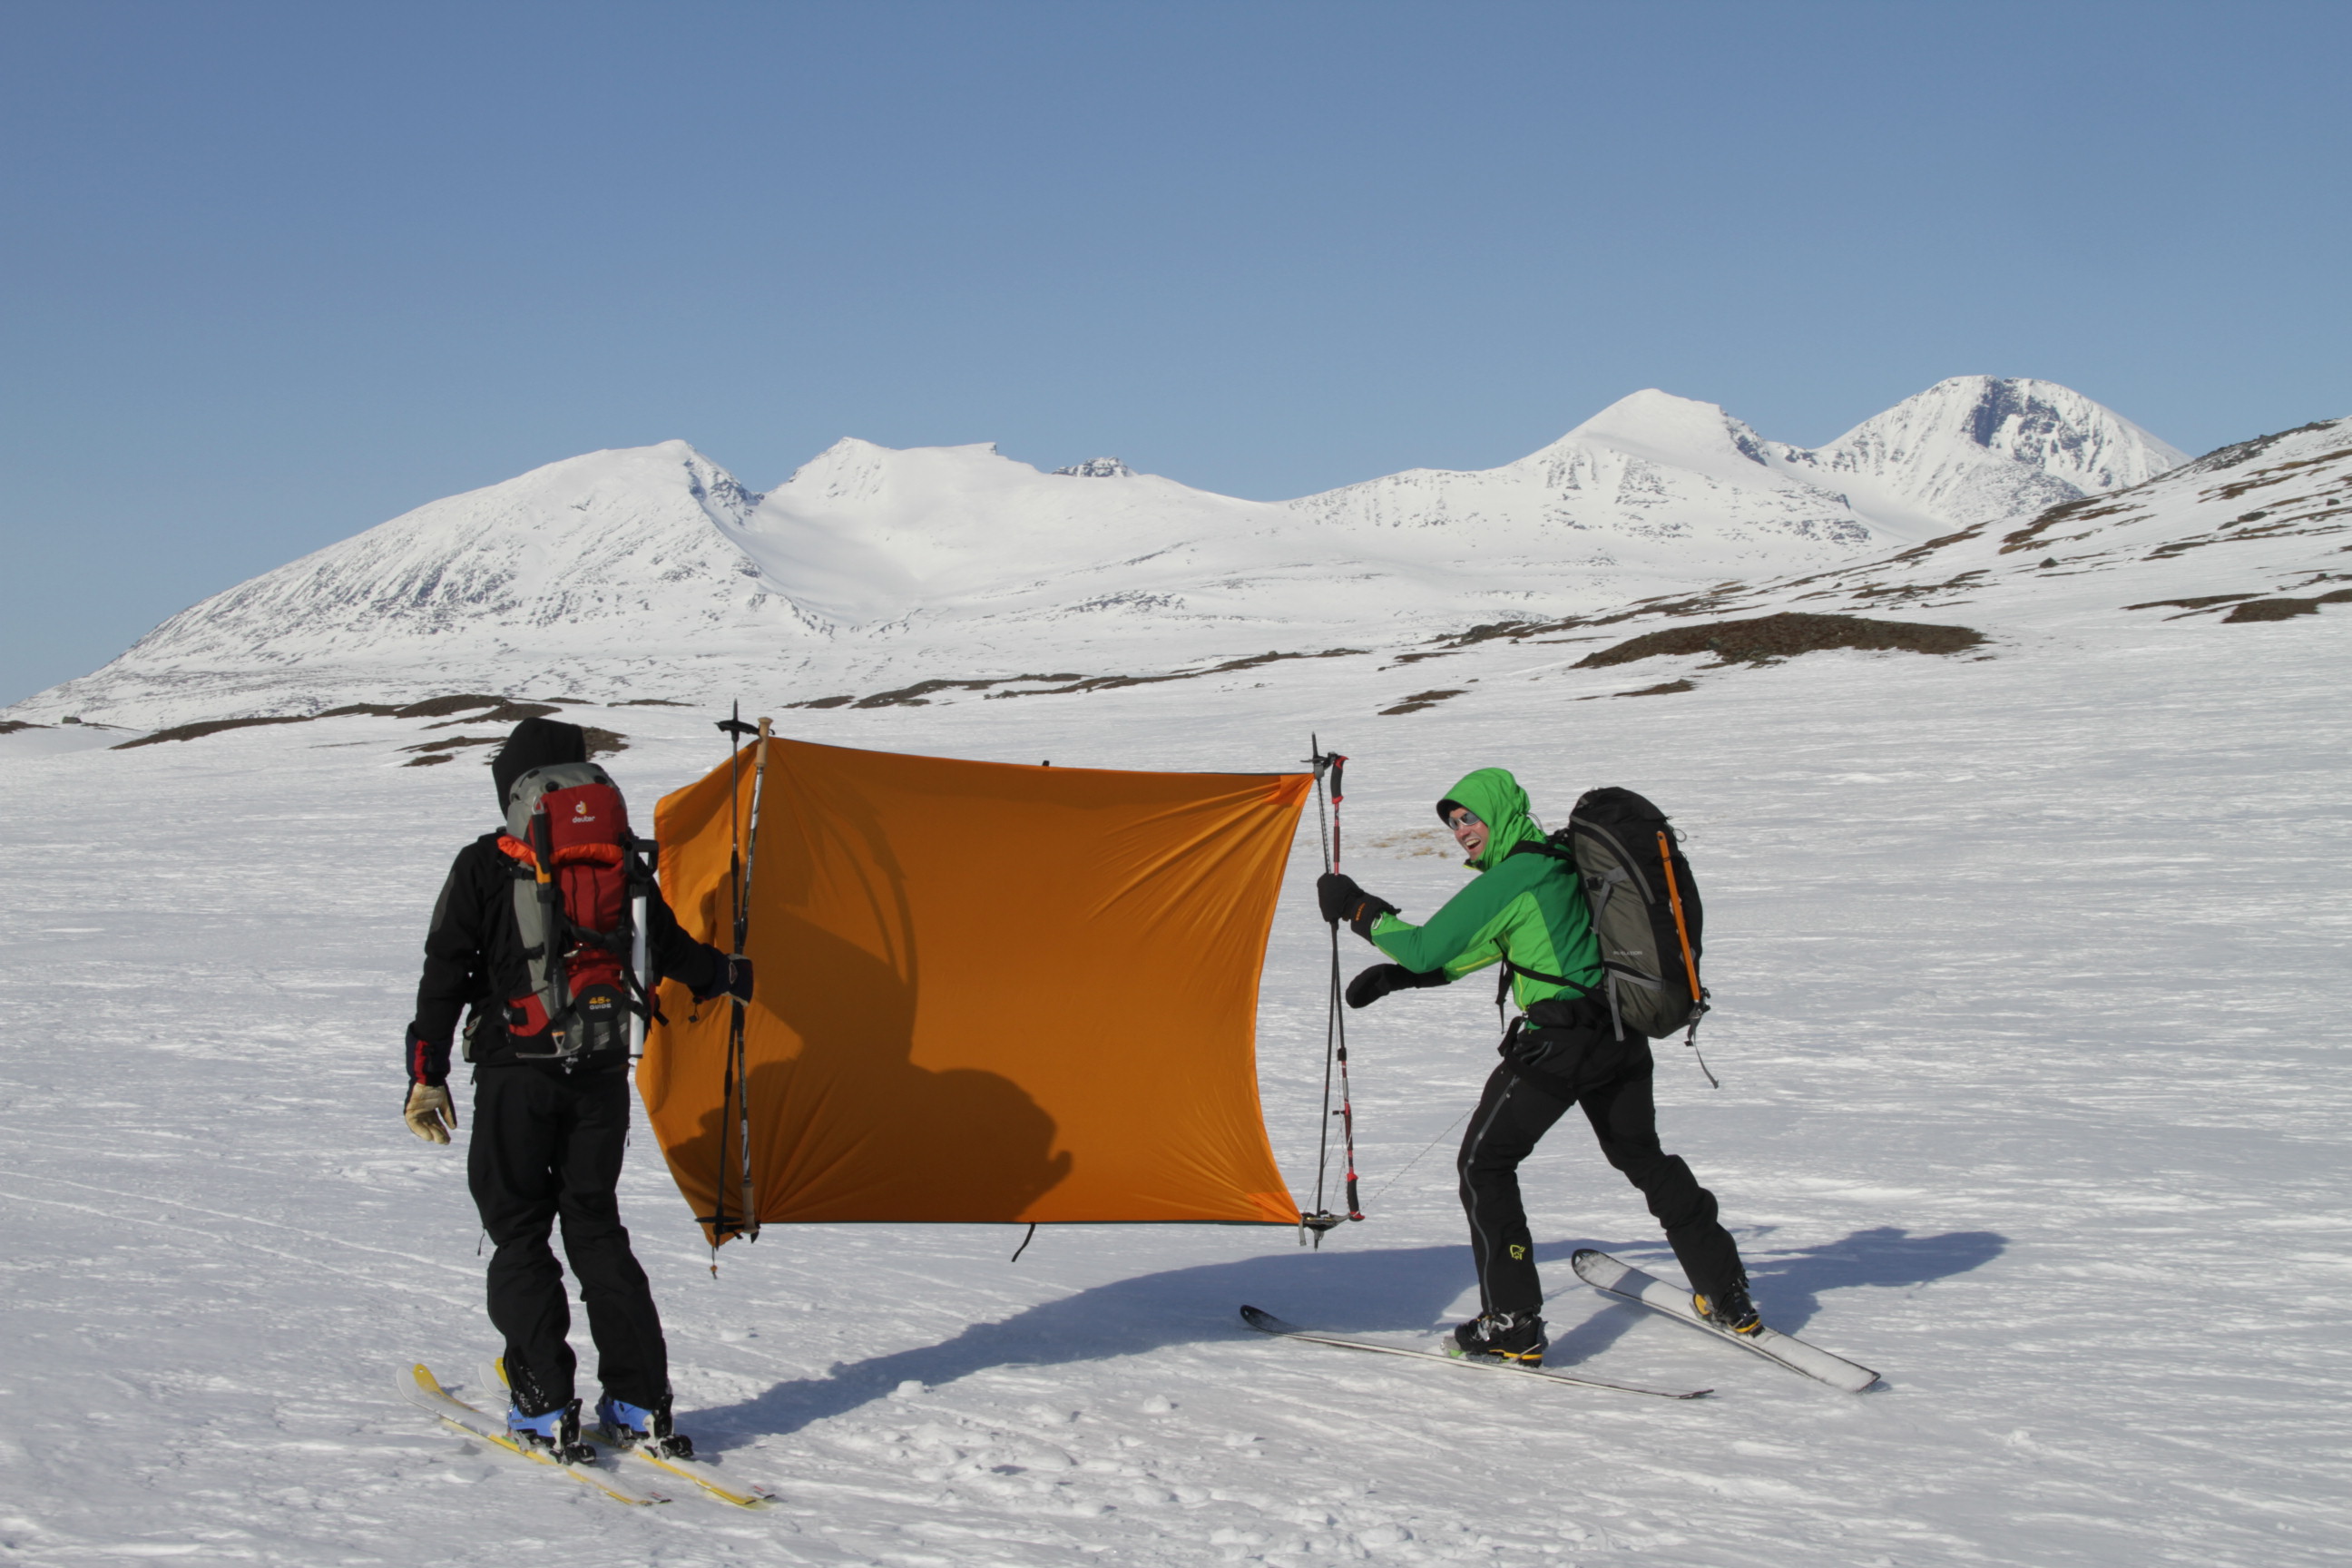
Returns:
point(1391, 1291)
point(1787, 1285)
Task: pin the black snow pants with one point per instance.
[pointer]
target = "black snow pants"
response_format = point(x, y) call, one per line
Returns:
point(546, 1147)
point(1610, 1078)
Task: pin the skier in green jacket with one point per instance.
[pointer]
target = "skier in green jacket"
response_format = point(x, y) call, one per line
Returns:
point(1528, 911)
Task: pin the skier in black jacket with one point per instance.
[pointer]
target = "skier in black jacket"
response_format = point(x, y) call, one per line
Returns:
point(547, 1137)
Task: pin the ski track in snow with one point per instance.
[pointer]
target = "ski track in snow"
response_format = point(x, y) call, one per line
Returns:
point(2030, 982)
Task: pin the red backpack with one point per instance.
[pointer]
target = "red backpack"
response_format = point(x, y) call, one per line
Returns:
point(578, 872)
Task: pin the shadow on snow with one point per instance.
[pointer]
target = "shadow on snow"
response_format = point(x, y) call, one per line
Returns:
point(1403, 1291)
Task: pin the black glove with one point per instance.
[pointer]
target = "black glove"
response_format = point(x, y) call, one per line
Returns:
point(1337, 895)
point(729, 978)
point(1382, 978)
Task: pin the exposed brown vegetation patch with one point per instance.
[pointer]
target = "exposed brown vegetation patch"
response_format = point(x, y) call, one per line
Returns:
point(1931, 546)
point(1112, 682)
point(1901, 593)
point(1703, 603)
point(499, 713)
point(1785, 635)
point(2263, 478)
point(2268, 531)
point(919, 694)
point(2082, 509)
point(1667, 690)
point(2202, 601)
point(601, 743)
point(441, 706)
point(1421, 699)
point(650, 702)
point(2282, 609)
point(207, 727)
point(478, 710)
point(10, 726)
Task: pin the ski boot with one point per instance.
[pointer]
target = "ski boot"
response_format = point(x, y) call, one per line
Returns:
point(628, 1426)
point(1515, 1338)
point(555, 1433)
point(1730, 1311)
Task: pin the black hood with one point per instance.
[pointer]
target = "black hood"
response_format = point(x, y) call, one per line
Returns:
point(536, 744)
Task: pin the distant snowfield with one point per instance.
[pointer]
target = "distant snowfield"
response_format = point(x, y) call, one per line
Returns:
point(2031, 1028)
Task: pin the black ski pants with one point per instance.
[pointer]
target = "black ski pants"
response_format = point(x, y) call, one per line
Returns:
point(546, 1149)
point(1513, 1115)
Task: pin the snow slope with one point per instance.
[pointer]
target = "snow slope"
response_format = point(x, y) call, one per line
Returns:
point(2022, 1105)
point(652, 572)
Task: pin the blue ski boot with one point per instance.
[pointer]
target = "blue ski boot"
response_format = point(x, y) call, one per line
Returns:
point(555, 1433)
point(635, 1426)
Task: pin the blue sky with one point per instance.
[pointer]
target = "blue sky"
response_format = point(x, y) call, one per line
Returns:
point(274, 273)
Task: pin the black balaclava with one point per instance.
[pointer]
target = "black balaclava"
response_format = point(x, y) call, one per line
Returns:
point(536, 744)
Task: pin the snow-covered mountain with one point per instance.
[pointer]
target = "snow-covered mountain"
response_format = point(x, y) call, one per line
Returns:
point(2252, 533)
point(611, 549)
point(1973, 448)
point(653, 572)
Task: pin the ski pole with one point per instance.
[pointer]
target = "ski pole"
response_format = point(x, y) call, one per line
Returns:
point(1320, 1219)
point(742, 926)
point(734, 729)
point(1338, 1016)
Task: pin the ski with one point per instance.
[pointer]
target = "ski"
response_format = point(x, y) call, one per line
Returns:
point(1627, 1283)
point(757, 1498)
point(419, 1387)
point(494, 1376)
point(1268, 1323)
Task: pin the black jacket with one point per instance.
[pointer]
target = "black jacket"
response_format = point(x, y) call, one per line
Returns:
point(473, 957)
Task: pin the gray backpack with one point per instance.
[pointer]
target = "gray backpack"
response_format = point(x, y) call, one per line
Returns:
point(1645, 910)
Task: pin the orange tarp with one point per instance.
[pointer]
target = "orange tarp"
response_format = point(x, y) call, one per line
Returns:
point(985, 992)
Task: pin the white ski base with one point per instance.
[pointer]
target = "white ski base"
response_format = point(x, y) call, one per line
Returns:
point(1268, 1323)
point(1627, 1283)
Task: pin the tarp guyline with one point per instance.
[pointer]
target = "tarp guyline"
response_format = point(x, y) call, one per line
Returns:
point(986, 992)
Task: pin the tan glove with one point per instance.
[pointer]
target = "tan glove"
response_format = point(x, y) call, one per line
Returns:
point(428, 1113)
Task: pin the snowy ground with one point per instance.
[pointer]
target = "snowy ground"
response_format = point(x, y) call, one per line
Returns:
point(2030, 975)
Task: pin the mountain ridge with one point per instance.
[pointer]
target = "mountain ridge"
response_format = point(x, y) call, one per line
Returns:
point(614, 572)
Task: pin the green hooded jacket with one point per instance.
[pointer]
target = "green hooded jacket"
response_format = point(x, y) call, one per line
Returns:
point(1529, 909)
